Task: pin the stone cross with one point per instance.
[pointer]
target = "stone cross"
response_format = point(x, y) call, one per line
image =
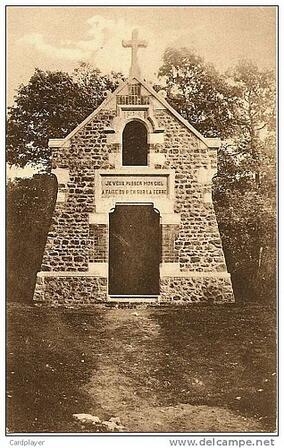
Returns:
point(134, 44)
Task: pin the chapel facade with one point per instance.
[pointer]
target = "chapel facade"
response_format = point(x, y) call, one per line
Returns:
point(134, 219)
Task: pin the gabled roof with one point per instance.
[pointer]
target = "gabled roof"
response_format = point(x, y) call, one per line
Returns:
point(209, 142)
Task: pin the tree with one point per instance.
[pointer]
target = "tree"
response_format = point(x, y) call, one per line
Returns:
point(254, 105)
point(30, 204)
point(50, 106)
point(246, 184)
point(254, 114)
point(198, 92)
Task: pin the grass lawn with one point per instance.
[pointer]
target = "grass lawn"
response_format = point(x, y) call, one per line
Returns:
point(160, 369)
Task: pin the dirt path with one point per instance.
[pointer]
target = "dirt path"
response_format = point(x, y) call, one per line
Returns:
point(120, 387)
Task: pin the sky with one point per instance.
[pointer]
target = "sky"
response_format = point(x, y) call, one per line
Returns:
point(58, 38)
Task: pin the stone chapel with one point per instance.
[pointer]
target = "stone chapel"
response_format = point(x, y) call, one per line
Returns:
point(134, 219)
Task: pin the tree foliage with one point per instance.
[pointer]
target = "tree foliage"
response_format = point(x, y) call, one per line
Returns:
point(254, 106)
point(50, 106)
point(198, 92)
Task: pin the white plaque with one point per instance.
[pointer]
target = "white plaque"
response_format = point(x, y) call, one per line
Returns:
point(128, 185)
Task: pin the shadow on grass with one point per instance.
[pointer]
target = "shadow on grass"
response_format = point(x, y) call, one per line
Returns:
point(49, 358)
point(220, 356)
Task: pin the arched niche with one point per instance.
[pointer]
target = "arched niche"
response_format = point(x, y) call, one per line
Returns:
point(134, 144)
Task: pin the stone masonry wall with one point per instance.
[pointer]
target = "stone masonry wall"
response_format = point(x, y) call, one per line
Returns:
point(80, 290)
point(98, 243)
point(197, 289)
point(198, 245)
point(169, 236)
point(70, 239)
point(72, 242)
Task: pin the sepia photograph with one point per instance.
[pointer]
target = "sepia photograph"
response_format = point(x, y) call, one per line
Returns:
point(141, 233)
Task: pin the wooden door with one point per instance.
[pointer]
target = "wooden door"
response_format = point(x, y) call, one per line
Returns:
point(134, 251)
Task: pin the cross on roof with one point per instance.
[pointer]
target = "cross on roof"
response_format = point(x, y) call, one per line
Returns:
point(134, 44)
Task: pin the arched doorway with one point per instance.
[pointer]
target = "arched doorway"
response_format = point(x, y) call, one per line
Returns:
point(134, 144)
point(134, 250)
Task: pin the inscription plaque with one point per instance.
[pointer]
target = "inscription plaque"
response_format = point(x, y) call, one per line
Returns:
point(129, 185)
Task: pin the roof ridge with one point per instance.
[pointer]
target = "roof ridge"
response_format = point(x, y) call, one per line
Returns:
point(163, 101)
